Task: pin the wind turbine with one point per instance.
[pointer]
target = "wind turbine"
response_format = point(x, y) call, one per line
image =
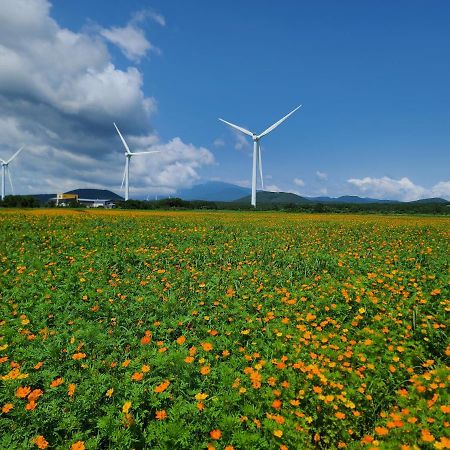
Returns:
point(257, 162)
point(128, 155)
point(5, 170)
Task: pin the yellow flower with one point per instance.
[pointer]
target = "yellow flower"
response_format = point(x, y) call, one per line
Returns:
point(200, 396)
point(126, 407)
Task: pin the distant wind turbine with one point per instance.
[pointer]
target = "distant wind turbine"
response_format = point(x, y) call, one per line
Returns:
point(5, 170)
point(128, 155)
point(257, 149)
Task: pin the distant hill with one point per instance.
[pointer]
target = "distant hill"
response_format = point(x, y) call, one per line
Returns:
point(213, 191)
point(349, 199)
point(43, 198)
point(431, 200)
point(96, 194)
point(282, 198)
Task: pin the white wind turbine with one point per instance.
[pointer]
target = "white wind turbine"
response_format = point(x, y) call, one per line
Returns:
point(5, 170)
point(128, 155)
point(257, 149)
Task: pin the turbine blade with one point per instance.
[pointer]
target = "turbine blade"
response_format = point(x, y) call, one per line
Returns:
point(145, 153)
point(243, 130)
point(122, 139)
point(13, 156)
point(260, 167)
point(10, 182)
point(272, 127)
point(123, 178)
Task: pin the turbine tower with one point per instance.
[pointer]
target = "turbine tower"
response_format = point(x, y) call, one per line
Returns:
point(5, 170)
point(257, 149)
point(128, 155)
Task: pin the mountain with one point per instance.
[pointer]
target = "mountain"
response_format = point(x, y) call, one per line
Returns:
point(349, 199)
point(264, 197)
point(213, 191)
point(100, 194)
point(431, 200)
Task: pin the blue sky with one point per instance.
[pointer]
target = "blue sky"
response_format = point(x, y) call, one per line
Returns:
point(373, 79)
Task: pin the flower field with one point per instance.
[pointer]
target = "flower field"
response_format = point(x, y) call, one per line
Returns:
point(185, 330)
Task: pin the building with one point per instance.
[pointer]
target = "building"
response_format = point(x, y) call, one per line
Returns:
point(62, 199)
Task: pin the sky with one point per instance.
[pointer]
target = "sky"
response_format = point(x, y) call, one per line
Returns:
point(372, 78)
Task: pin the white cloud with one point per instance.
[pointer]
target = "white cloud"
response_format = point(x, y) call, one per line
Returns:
point(141, 16)
point(219, 142)
point(60, 93)
point(441, 189)
point(272, 188)
point(322, 175)
point(403, 189)
point(299, 182)
point(131, 39)
point(241, 141)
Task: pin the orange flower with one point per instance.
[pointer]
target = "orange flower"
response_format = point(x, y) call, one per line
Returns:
point(57, 382)
point(40, 442)
point(79, 445)
point(278, 433)
point(340, 415)
point(7, 408)
point(38, 365)
point(189, 359)
point(206, 346)
point(109, 392)
point(137, 376)
point(204, 370)
point(276, 404)
point(162, 386)
point(145, 368)
point(78, 356)
point(30, 405)
point(200, 406)
point(71, 389)
point(381, 431)
point(445, 409)
point(161, 415)
point(215, 434)
point(427, 436)
point(181, 340)
point(22, 392)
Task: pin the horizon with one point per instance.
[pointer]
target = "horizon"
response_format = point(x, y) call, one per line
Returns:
point(372, 80)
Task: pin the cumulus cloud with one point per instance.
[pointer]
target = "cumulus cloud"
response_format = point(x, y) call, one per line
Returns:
point(272, 188)
point(60, 93)
point(299, 182)
point(403, 189)
point(441, 189)
point(321, 175)
point(131, 38)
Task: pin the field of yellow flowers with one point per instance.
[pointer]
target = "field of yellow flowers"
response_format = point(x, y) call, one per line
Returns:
point(185, 330)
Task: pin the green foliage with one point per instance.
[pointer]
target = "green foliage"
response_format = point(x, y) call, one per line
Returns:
point(188, 329)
